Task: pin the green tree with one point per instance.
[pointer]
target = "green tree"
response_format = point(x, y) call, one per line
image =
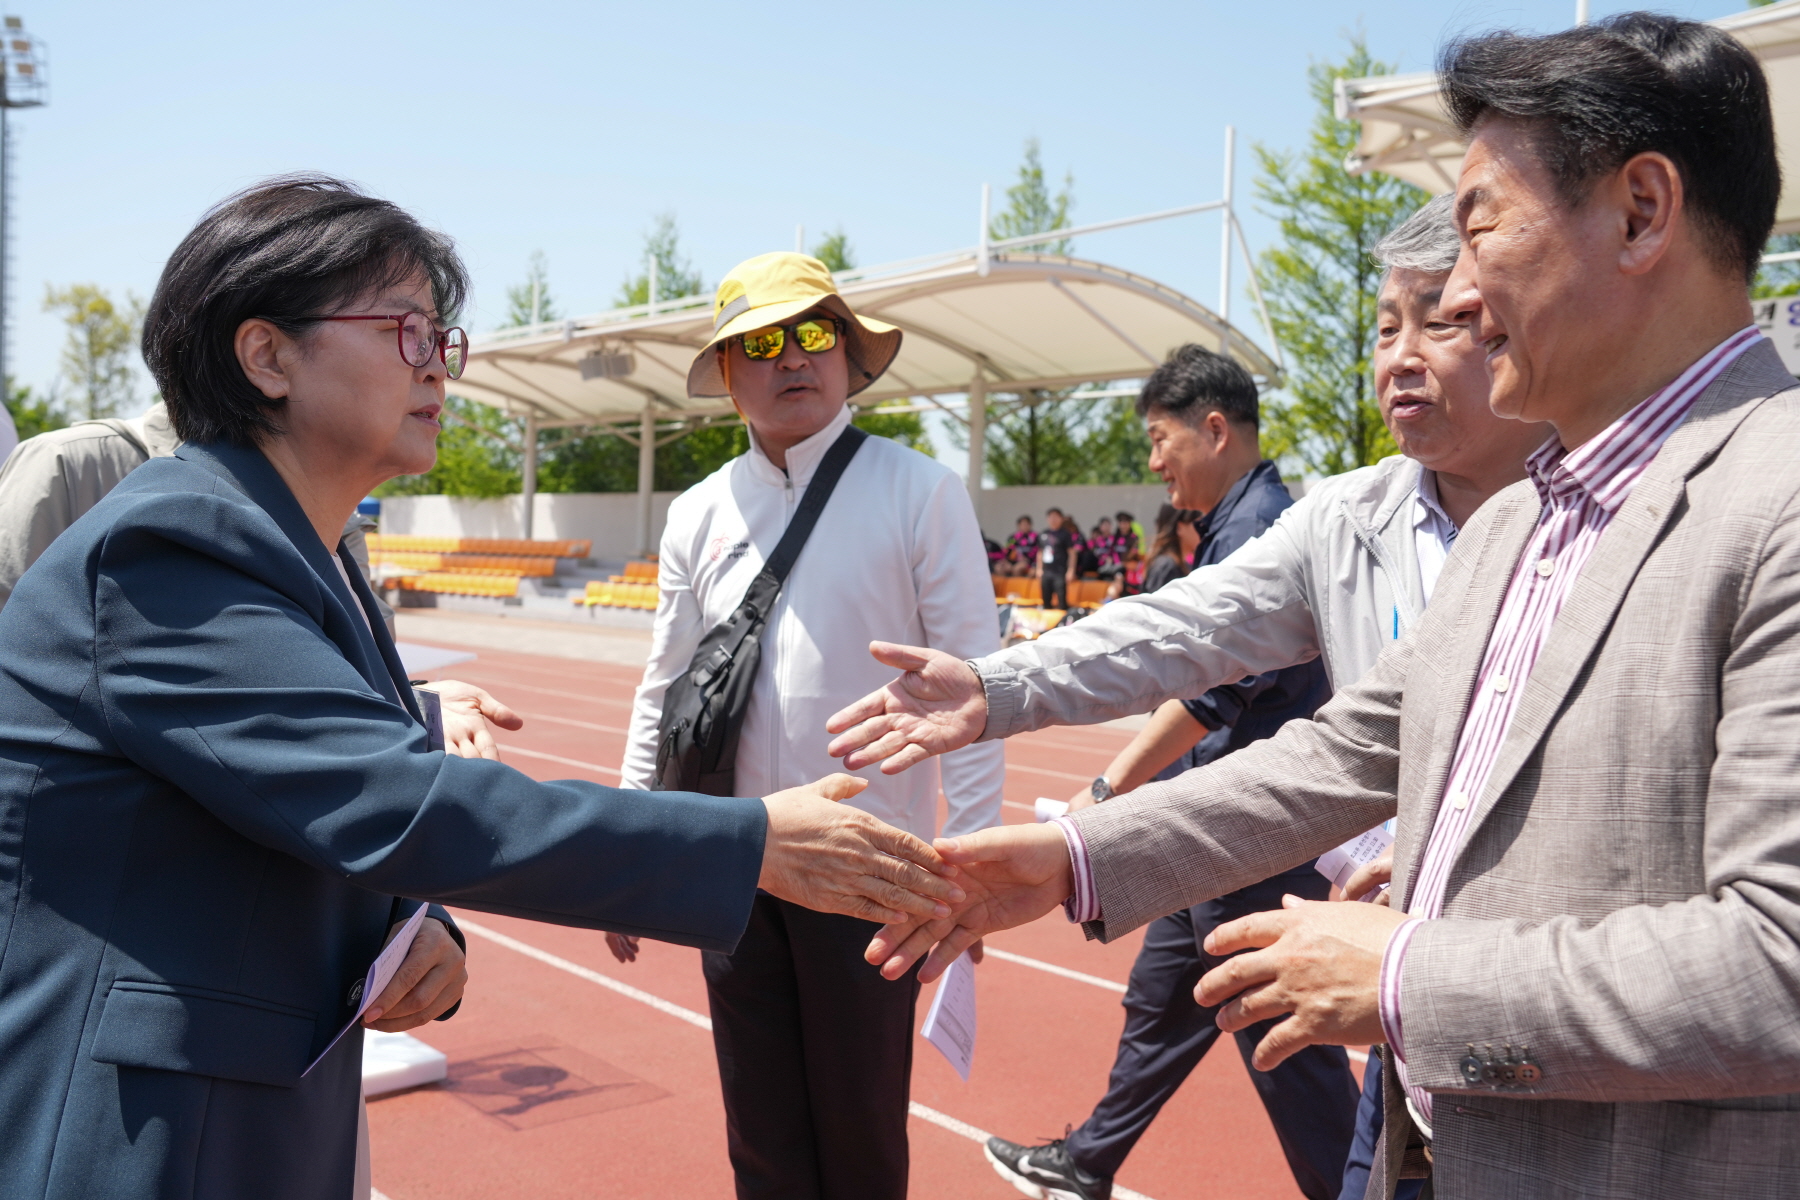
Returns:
point(1321, 284)
point(675, 277)
point(835, 251)
point(1030, 208)
point(96, 358)
point(30, 416)
point(529, 303)
point(477, 455)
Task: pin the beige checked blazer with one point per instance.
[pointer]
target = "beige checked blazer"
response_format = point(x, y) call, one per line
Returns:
point(1627, 904)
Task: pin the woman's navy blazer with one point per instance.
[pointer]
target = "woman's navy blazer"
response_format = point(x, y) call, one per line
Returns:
point(213, 785)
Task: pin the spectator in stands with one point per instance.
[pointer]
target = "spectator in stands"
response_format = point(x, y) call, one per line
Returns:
point(814, 1047)
point(218, 785)
point(1023, 547)
point(1056, 560)
point(1176, 541)
point(1130, 534)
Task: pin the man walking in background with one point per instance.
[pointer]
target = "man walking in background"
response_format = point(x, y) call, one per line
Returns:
point(814, 1047)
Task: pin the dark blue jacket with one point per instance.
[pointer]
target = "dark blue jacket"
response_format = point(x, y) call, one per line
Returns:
point(1254, 708)
point(213, 784)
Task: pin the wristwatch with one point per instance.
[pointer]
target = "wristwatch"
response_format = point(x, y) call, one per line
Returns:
point(1100, 789)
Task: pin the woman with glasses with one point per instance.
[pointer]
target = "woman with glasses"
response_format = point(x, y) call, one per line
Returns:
point(215, 783)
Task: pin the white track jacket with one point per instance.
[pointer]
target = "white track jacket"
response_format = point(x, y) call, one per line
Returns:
point(896, 556)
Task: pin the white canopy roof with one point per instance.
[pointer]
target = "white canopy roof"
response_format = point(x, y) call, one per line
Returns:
point(1406, 133)
point(1025, 321)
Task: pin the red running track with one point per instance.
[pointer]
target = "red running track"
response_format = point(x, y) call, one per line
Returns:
point(563, 1087)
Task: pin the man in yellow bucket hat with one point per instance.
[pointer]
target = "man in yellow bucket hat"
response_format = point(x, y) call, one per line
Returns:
point(814, 1047)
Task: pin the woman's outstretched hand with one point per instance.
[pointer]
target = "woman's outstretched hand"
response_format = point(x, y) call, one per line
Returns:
point(1011, 874)
point(935, 707)
point(834, 858)
point(467, 710)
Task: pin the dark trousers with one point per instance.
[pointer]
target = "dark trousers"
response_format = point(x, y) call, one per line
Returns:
point(815, 1055)
point(1368, 1134)
point(1310, 1098)
point(1054, 589)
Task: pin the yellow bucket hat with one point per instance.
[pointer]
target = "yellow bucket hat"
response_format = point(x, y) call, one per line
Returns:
point(772, 289)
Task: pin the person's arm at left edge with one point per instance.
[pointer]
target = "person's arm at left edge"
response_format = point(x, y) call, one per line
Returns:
point(956, 609)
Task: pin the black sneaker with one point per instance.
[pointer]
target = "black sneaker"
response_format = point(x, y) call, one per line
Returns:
point(1045, 1172)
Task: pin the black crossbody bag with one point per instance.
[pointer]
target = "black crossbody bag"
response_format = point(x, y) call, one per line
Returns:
point(703, 710)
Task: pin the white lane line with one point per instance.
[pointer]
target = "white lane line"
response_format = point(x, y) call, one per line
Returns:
point(581, 972)
point(1081, 977)
point(571, 721)
point(1030, 808)
point(1013, 766)
point(941, 1120)
point(1052, 968)
point(507, 748)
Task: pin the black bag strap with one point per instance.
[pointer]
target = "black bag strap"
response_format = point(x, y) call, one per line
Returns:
point(818, 492)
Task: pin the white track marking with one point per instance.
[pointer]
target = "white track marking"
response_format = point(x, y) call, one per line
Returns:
point(571, 721)
point(508, 748)
point(1052, 968)
point(932, 1115)
point(1013, 766)
point(576, 969)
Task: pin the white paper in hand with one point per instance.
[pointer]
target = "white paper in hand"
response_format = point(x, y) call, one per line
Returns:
point(381, 972)
point(950, 1022)
point(1340, 864)
point(1048, 809)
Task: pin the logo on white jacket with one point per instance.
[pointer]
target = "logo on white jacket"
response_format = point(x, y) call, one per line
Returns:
point(724, 547)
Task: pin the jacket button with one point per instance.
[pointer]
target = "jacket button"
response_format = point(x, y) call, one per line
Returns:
point(354, 997)
point(1471, 1069)
point(1530, 1072)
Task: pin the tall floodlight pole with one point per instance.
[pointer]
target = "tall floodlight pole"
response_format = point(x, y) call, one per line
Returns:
point(1581, 12)
point(1225, 242)
point(23, 84)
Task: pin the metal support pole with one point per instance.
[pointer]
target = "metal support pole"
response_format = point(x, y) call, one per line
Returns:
point(646, 477)
point(652, 285)
point(981, 246)
point(977, 438)
point(800, 238)
point(528, 493)
point(1581, 12)
point(1225, 242)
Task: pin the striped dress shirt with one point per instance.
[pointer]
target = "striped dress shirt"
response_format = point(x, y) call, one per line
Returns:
point(1581, 490)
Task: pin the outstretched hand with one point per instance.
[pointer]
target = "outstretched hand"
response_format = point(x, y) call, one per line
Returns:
point(828, 856)
point(935, 707)
point(1319, 961)
point(467, 710)
point(1012, 874)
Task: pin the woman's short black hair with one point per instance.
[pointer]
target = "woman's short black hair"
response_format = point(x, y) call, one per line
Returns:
point(288, 250)
point(1599, 94)
point(1194, 381)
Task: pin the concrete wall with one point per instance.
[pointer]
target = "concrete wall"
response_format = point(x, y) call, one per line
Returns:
point(610, 519)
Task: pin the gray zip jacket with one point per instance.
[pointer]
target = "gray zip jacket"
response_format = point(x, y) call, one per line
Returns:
point(1336, 575)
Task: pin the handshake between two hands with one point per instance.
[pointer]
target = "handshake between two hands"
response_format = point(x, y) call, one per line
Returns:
point(1316, 963)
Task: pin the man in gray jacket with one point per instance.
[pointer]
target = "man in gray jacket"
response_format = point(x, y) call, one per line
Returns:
point(1339, 576)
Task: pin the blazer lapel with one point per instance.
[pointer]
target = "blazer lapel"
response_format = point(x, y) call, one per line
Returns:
point(1627, 541)
point(1478, 612)
point(252, 474)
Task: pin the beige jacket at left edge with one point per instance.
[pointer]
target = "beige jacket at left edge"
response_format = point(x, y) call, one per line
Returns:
point(51, 480)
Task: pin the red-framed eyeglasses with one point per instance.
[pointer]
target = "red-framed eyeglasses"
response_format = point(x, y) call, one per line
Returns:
point(420, 338)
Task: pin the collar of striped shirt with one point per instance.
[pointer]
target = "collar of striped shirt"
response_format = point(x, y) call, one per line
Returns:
point(1608, 465)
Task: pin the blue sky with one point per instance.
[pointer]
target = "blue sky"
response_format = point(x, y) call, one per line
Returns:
point(566, 127)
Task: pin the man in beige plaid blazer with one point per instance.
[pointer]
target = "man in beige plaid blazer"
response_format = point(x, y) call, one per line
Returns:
point(1589, 979)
